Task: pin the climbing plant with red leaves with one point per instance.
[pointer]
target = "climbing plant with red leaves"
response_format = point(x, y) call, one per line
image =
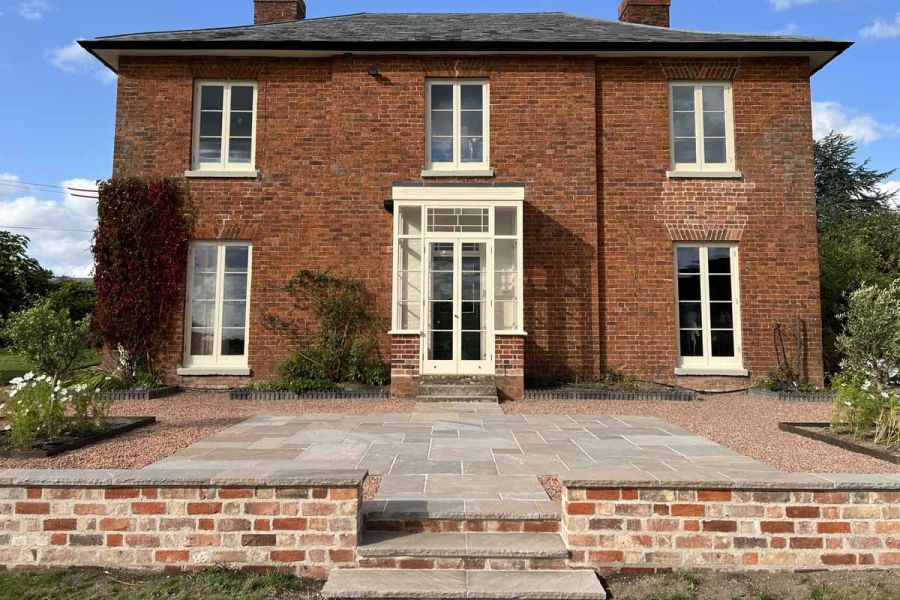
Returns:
point(140, 251)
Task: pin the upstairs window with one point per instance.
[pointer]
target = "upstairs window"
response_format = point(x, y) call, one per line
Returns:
point(702, 127)
point(458, 125)
point(225, 126)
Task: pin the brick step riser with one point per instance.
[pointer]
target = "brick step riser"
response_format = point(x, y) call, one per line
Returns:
point(457, 390)
point(455, 399)
point(469, 564)
point(462, 526)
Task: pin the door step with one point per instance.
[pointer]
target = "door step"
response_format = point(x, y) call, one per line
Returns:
point(394, 584)
point(457, 388)
point(463, 545)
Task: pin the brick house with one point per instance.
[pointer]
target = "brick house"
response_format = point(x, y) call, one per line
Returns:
point(528, 194)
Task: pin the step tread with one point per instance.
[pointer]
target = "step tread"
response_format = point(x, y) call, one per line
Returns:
point(484, 585)
point(492, 399)
point(458, 510)
point(463, 545)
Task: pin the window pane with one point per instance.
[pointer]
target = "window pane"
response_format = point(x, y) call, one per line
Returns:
point(234, 314)
point(441, 345)
point(723, 344)
point(442, 286)
point(720, 288)
point(211, 97)
point(719, 260)
point(689, 287)
point(505, 315)
point(688, 260)
point(242, 124)
point(442, 149)
point(211, 150)
point(204, 287)
point(505, 286)
point(441, 123)
point(689, 315)
point(410, 220)
point(473, 150)
point(714, 124)
point(203, 314)
point(235, 287)
point(505, 221)
point(211, 124)
point(472, 97)
point(506, 259)
point(442, 316)
point(242, 98)
point(471, 346)
point(686, 151)
point(408, 288)
point(409, 315)
point(472, 316)
point(683, 97)
point(691, 343)
point(472, 123)
point(685, 125)
point(233, 342)
point(721, 316)
point(410, 258)
point(714, 151)
point(472, 285)
point(202, 343)
point(713, 98)
point(442, 97)
point(205, 259)
point(236, 259)
point(239, 150)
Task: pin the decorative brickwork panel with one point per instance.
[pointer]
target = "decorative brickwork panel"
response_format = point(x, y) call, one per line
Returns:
point(700, 70)
point(652, 530)
point(305, 531)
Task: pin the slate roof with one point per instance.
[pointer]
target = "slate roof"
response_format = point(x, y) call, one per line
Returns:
point(459, 32)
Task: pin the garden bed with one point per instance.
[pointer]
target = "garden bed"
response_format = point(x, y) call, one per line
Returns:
point(823, 433)
point(154, 393)
point(789, 396)
point(115, 426)
point(271, 395)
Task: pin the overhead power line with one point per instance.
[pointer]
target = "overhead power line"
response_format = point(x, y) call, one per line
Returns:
point(45, 229)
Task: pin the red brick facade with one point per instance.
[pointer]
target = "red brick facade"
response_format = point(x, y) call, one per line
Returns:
point(589, 140)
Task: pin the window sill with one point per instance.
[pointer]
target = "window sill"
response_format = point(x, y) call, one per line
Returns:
point(401, 332)
point(459, 173)
point(704, 175)
point(213, 371)
point(712, 372)
point(510, 333)
point(222, 174)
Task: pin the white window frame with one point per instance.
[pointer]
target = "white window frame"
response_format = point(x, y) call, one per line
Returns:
point(701, 167)
point(424, 236)
point(457, 164)
point(216, 359)
point(708, 364)
point(224, 166)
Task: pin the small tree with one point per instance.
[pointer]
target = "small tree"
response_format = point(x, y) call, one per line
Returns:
point(871, 338)
point(22, 279)
point(79, 297)
point(140, 251)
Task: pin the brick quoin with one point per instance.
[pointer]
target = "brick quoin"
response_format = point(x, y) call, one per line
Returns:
point(589, 139)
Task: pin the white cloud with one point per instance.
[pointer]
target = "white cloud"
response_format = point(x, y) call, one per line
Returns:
point(65, 251)
point(789, 29)
point(892, 187)
point(789, 4)
point(833, 116)
point(75, 60)
point(35, 10)
point(882, 29)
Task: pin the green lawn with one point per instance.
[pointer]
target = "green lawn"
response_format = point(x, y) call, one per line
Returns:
point(12, 365)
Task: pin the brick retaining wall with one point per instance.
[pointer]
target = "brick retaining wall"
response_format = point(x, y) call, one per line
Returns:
point(305, 523)
point(727, 527)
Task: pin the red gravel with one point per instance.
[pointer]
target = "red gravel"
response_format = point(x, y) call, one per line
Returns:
point(185, 419)
point(746, 424)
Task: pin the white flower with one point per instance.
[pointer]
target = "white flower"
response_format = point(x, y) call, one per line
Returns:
point(17, 381)
point(867, 385)
point(97, 391)
point(29, 376)
point(13, 393)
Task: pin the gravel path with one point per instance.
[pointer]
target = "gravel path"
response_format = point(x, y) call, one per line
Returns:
point(185, 419)
point(743, 423)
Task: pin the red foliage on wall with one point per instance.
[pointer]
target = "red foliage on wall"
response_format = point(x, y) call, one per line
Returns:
point(140, 249)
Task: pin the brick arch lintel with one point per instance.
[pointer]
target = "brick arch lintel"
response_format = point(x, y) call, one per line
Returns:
point(732, 232)
point(700, 70)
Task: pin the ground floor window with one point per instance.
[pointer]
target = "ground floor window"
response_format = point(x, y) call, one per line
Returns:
point(708, 297)
point(218, 304)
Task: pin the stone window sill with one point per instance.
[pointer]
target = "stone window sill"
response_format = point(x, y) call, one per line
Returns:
point(393, 332)
point(712, 372)
point(459, 173)
point(509, 333)
point(213, 371)
point(222, 174)
point(704, 174)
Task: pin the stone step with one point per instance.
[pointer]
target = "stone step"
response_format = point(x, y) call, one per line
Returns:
point(457, 390)
point(396, 584)
point(454, 399)
point(458, 380)
point(462, 545)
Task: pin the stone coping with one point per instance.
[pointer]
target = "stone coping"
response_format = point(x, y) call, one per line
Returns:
point(756, 481)
point(285, 478)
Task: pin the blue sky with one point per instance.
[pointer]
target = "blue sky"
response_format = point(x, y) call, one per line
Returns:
point(57, 112)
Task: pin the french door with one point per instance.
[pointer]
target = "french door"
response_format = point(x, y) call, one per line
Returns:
point(459, 336)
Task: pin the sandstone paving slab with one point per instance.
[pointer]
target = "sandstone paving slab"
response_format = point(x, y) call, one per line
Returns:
point(397, 486)
point(534, 585)
point(479, 467)
point(407, 466)
point(391, 583)
point(416, 509)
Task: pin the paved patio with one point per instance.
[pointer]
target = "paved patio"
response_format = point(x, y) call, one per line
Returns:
point(470, 453)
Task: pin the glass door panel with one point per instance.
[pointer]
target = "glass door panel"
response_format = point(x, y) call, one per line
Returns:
point(473, 326)
point(441, 349)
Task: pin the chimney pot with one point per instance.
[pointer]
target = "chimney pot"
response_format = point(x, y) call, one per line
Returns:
point(278, 11)
point(645, 12)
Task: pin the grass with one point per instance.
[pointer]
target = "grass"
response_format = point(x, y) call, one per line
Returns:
point(94, 584)
point(12, 365)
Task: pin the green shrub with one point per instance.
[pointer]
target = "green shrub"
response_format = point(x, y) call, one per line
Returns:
point(857, 404)
point(871, 339)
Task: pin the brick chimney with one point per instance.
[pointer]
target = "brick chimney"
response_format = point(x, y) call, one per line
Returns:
point(645, 12)
point(278, 11)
